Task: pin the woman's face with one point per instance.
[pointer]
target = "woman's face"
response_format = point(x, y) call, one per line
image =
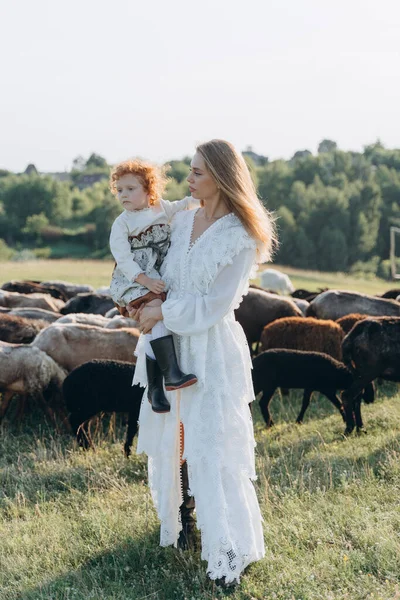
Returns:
point(201, 184)
point(131, 194)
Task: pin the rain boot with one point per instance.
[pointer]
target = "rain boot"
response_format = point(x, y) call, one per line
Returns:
point(164, 351)
point(155, 391)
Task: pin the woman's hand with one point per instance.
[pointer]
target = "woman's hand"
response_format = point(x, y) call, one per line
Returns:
point(148, 316)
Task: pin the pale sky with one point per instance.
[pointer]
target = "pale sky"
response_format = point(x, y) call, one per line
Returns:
point(154, 78)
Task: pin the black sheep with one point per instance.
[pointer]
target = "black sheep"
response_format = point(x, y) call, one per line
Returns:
point(370, 350)
point(311, 371)
point(95, 304)
point(102, 386)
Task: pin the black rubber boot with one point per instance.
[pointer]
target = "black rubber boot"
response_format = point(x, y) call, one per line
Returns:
point(164, 351)
point(155, 391)
point(187, 537)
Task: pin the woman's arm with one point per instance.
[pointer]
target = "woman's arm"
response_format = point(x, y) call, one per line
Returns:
point(195, 314)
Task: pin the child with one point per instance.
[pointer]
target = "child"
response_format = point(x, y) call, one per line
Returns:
point(139, 242)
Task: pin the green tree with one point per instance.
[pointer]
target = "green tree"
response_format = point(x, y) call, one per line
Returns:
point(274, 183)
point(34, 225)
point(327, 146)
point(332, 252)
point(365, 202)
point(103, 217)
point(95, 160)
point(26, 195)
point(178, 170)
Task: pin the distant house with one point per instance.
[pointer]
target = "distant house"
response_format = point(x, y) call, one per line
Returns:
point(63, 176)
point(85, 181)
point(31, 170)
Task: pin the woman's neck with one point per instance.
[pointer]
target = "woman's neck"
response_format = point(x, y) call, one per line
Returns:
point(214, 208)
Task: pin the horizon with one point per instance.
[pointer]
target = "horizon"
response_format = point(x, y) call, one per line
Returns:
point(248, 148)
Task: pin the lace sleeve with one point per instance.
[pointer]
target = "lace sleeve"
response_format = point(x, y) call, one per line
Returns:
point(192, 314)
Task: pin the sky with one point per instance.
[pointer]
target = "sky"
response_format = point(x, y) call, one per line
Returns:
point(156, 77)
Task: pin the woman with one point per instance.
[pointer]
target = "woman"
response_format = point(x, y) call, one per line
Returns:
point(212, 253)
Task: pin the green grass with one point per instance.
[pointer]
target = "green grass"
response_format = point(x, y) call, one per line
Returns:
point(81, 525)
point(98, 273)
point(313, 280)
point(92, 272)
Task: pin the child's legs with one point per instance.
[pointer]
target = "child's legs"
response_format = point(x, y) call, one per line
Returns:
point(159, 330)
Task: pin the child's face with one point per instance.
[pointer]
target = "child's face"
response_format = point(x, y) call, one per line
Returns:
point(131, 194)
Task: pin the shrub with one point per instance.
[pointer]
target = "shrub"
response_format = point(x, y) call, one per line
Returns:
point(5, 252)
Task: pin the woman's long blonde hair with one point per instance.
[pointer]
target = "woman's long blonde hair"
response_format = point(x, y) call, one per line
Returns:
point(232, 176)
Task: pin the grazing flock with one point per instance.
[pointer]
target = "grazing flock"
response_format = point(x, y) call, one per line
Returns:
point(66, 348)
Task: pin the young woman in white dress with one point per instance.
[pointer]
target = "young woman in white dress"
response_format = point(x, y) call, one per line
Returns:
point(212, 254)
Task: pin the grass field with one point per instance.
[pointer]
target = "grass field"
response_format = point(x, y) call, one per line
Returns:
point(97, 273)
point(81, 526)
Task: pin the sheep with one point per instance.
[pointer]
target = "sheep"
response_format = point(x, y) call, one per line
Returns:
point(334, 304)
point(311, 371)
point(83, 319)
point(258, 308)
point(68, 288)
point(301, 304)
point(88, 303)
point(113, 312)
point(392, 294)
point(35, 314)
point(103, 291)
point(72, 345)
point(14, 300)
point(119, 322)
point(312, 335)
point(299, 333)
point(347, 322)
point(277, 281)
point(97, 321)
point(28, 371)
point(302, 294)
point(30, 287)
point(371, 349)
point(102, 385)
point(17, 330)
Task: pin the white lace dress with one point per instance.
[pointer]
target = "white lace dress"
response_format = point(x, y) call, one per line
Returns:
point(206, 283)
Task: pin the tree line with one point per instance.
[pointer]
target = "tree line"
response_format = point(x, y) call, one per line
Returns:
point(333, 208)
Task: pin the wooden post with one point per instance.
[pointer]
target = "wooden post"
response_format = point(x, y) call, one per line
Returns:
point(393, 231)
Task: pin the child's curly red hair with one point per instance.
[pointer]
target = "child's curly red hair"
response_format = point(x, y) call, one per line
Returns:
point(151, 177)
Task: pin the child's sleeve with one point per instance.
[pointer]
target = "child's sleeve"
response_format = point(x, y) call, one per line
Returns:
point(171, 208)
point(121, 250)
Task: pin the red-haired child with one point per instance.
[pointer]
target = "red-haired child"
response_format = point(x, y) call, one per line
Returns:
point(139, 242)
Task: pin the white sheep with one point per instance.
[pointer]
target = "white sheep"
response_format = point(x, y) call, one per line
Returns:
point(15, 300)
point(72, 345)
point(276, 281)
point(27, 371)
point(116, 322)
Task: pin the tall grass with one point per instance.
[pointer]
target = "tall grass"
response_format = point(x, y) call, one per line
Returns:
point(80, 525)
